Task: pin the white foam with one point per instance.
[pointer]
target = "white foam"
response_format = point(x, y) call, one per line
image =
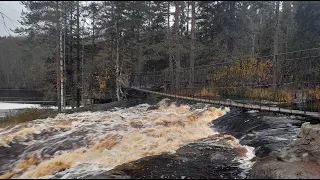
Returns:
point(245, 162)
point(252, 111)
point(281, 139)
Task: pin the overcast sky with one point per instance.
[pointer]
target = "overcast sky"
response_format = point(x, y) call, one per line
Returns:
point(12, 9)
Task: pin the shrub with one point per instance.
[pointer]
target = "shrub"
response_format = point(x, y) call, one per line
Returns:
point(242, 71)
point(206, 91)
point(314, 93)
point(269, 94)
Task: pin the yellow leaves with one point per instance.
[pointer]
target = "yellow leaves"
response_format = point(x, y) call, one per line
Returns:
point(227, 79)
point(314, 92)
point(243, 69)
point(102, 84)
point(207, 92)
point(269, 94)
point(317, 92)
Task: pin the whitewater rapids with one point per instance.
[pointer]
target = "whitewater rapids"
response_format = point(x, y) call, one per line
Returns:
point(105, 139)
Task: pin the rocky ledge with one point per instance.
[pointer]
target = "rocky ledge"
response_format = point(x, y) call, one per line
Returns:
point(299, 160)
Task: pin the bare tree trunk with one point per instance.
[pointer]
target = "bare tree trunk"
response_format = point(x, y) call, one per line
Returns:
point(286, 44)
point(176, 17)
point(149, 15)
point(287, 34)
point(252, 38)
point(91, 79)
point(275, 46)
point(176, 34)
point(64, 52)
point(139, 62)
point(260, 31)
point(287, 4)
point(78, 57)
point(170, 50)
point(117, 63)
point(82, 71)
point(230, 43)
point(252, 46)
point(117, 60)
point(178, 70)
point(193, 38)
point(188, 17)
point(112, 47)
point(61, 71)
point(70, 68)
point(182, 8)
point(58, 55)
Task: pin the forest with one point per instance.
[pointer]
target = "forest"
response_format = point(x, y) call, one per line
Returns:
point(74, 51)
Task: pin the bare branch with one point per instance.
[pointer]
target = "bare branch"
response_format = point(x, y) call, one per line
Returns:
point(4, 22)
point(4, 17)
point(8, 7)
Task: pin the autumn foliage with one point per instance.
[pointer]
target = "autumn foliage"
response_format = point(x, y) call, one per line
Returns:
point(247, 78)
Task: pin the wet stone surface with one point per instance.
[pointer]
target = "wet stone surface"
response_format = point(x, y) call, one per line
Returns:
point(299, 160)
point(280, 142)
point(267, 132)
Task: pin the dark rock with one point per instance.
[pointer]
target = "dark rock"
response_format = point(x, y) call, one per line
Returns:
point(299, 160)
point(101, 101)
point(265, 131)
point(132, 93)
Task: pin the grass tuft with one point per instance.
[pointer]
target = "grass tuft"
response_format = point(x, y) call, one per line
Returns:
point(26, 116)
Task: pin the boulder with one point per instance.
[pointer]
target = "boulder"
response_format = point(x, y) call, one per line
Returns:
point(307, 146)
point(299, 160)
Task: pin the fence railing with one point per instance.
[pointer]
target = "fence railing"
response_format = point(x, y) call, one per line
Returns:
point(287, 80)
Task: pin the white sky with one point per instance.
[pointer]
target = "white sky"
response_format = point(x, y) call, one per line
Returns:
point(13, 10)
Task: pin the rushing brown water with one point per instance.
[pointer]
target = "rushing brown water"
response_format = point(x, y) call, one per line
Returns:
point(95, 141)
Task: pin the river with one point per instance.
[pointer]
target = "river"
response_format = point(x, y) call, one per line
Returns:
point(145, 141)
